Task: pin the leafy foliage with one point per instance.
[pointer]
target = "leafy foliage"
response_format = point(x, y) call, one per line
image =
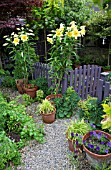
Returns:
point(8, 152)
point(106, 122)
point(14, 120)
point(79, 127)
point(46, 107)
point(91, 110)
point(67, 105)
point(42, 83)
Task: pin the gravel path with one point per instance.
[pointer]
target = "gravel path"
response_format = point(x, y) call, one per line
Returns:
point(54, 153)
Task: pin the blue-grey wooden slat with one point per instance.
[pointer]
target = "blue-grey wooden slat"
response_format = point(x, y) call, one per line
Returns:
point(87, 82)
point(95, 81)
point(106, 89)
point(83, 82)
point(75, 79)
point(71, 73)
point(79, 80)
point(91, 80)
point(64, 82)
point(100, 90)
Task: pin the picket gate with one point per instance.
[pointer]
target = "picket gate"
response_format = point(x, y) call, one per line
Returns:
point(86, 80)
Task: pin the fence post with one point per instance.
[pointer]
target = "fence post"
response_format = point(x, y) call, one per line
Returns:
point(102, 92)
point(104, 76)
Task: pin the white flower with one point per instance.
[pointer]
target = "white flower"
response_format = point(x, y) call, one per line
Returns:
point(30, 30)
point(5, 36)
point(8, 39)
point(18, 29)
point(83, 27)
point(30, 33)
point(12, 33)
point(15, 35)
point(61, 25)
point(22, 54)
point(5, 44)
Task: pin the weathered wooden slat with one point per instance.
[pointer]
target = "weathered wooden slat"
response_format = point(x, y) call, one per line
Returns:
point(71, 74)
point(79, 80)
point(64, 83)
point(75, 80)
point(83, 82)
point(87, 82)
point(106, 90)
point(95, 81)
point(91, 80)
point(100, 90)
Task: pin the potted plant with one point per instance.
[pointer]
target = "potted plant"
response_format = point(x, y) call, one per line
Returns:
point(30, 89)
point(97, 147)
point(47, 109)
point(77, 63)
point(21, 47)
point(107, 68)
point(74, 133)
point(63, 41)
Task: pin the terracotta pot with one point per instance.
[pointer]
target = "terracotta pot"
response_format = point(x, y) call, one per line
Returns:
point(30, 91)
point(19, 84)
point(96, 159)
point(53, 96)
point(72, 147)
point(49, 118)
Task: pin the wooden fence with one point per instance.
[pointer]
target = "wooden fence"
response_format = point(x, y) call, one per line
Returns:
point(86, 80)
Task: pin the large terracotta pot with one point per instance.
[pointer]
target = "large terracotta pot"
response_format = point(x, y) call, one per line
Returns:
point(31, 91)
point(49, 118)
point(19, 84)
point(96, 159)
point(53, 96)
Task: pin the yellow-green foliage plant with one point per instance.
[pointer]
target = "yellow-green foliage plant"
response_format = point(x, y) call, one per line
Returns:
point(106, 122)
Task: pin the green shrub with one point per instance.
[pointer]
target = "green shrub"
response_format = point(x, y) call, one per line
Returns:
point(8, 152)
point(67, 105)
point(91, 109)
point(15, 126)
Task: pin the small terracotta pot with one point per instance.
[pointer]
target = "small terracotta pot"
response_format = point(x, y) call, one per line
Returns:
point(31, 91)
point(53, 96)
point(72, 148)
point(49, 118)
point(96, 159)
point(71, 145)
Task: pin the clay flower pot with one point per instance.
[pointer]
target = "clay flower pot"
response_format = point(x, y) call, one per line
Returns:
point(31, 91)
point(93, 158)
point(19, 84)
point(48, 118)
point(53, 96)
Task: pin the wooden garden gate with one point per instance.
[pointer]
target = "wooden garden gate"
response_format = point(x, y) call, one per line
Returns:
point(85, 80)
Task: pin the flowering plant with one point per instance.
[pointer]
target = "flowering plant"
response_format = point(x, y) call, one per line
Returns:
point(97, 142)
point(64, 44)
point(76, 130)
point(23, 53)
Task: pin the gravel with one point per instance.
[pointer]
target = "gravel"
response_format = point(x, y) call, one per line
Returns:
point(54, 153)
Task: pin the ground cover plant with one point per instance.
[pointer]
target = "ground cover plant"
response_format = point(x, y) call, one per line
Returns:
point(16, 128)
